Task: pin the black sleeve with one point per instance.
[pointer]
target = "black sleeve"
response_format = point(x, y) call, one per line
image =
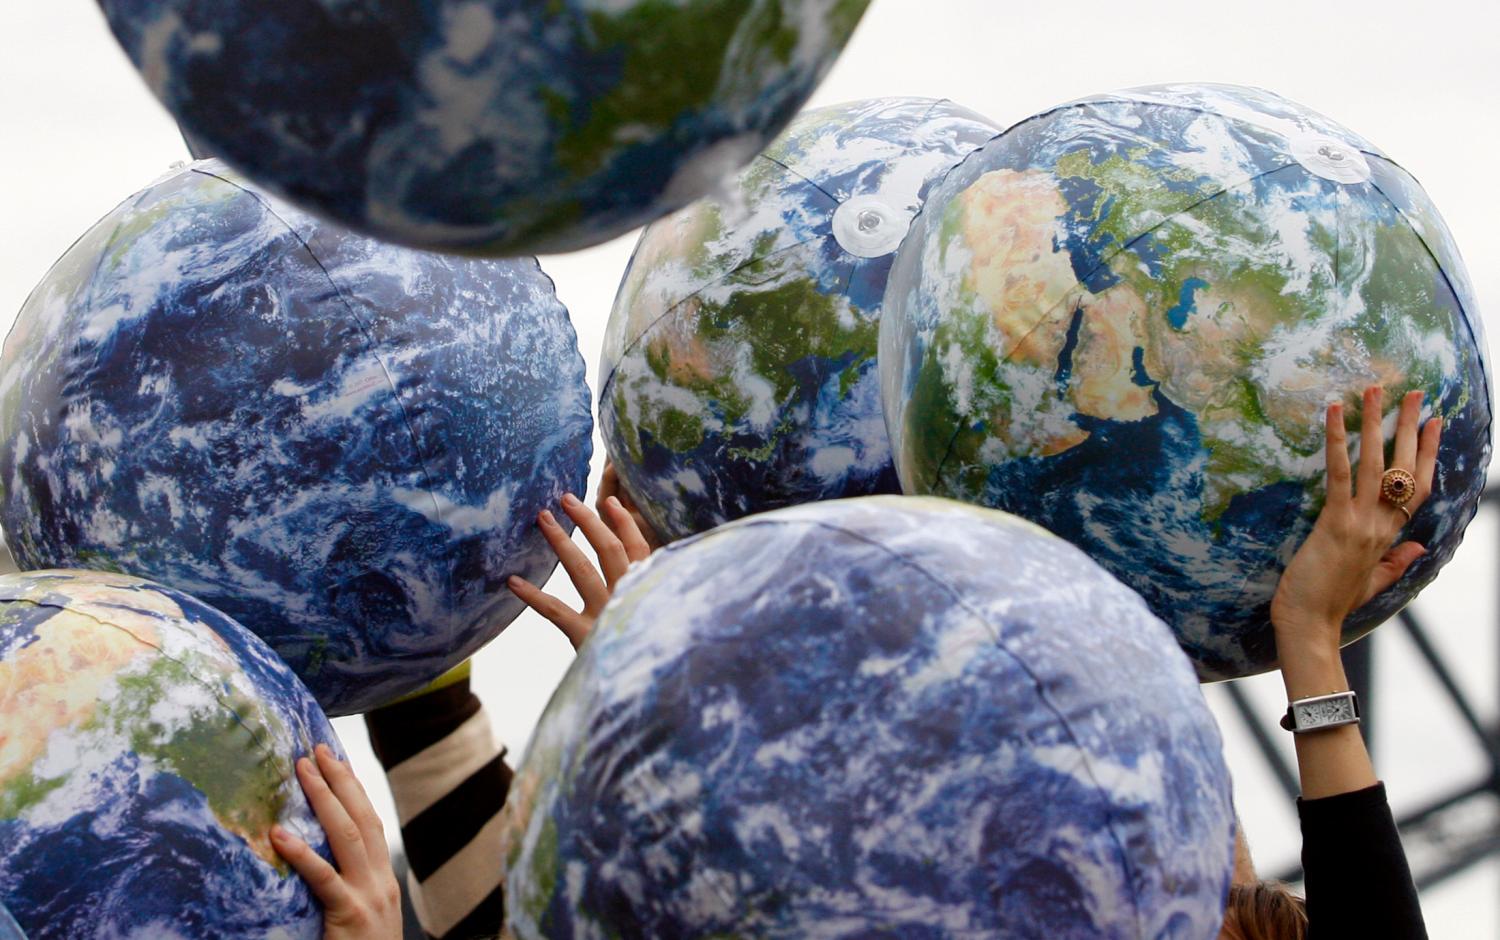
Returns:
point(449, 780)
point(1356, 876)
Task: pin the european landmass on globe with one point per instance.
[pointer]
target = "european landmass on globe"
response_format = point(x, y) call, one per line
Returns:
point(1124, 319)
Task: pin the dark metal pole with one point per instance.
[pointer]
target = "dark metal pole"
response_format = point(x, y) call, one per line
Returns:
point(1440, 670)
point(1283, 771)
point(1359, 666)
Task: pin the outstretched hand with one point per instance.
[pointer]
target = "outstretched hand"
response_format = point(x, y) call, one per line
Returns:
point(617, 544)
point(1349, 557)
point(361, 900)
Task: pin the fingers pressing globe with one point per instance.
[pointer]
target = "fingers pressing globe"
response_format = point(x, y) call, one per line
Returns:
point(1371, 448)
point(629, 533)
point(574, 626)
point(1426, 463)
point(1404, 455)
point(612, 557)
point(1339, 474)
point(591, 587)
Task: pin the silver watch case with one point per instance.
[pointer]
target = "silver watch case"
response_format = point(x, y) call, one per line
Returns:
point(1321, 712)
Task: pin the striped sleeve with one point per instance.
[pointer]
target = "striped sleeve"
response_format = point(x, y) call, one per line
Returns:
point(449, 779)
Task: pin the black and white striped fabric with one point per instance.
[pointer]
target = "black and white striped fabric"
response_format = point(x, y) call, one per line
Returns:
point(449, 779)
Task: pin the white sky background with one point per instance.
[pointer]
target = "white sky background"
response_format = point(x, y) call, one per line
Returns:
point(79, 133)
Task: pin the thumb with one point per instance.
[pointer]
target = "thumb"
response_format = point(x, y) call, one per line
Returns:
point(1392, 566)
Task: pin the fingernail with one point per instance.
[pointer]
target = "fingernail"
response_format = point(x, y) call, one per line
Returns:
point(570, 500)
point(546, 518)
point(513, 581)
point(278, 834)
point(323, 750)
point(616, 504)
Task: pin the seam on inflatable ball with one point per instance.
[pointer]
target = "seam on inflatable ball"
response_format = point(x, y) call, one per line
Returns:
point(268, 751)
point(1465, 312)
point(1013, 656)
point(427, 476)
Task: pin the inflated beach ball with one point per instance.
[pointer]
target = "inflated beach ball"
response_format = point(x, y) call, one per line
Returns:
point(340, 443)
point(885, 716)
point(147, 745)
point(738, 372)
point(485, 126)
point(1124, 319)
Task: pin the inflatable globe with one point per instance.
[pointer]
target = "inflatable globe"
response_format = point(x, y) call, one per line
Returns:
point(485, 125)
point(887, 716)
point(738, 372)
point(340, 443)
point(147, 745)
point(1124, 319)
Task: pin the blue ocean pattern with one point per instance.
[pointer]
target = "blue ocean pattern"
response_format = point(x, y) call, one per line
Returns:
point(485, 126)
point(342, 444)
point(887, 716)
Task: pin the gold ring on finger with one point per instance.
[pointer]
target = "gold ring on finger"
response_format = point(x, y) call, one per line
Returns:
point(1397, 487)
point(1405, 512)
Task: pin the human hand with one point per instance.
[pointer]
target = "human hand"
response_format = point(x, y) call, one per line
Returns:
point(617, 545)
point(361, 900)
point(1348, 558)
point(610, 487)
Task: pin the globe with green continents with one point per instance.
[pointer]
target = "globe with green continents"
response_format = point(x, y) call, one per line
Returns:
point(485, 126)
point(340, 442)
point(1125, 318)
point(739, 371)
point(147, 745)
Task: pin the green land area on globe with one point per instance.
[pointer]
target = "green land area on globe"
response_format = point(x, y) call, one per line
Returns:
point(1125, 320)
point(148, 753)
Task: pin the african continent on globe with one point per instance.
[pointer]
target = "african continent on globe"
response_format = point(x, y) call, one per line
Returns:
point(874, 717)
point(341, 443)
point(485, 126)
point(1124, 318)
point(738, 372)
point(146, 749)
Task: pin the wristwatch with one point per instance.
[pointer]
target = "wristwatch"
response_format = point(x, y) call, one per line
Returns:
point(1321, 712)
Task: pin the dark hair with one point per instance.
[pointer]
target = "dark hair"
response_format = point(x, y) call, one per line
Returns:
point(1264, 910)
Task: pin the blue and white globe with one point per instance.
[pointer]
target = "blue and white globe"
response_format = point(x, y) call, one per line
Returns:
point(341, 443)
point(1124, 320)
point(887, 716)
point(738, 373)
point(485, 126)
point(148, 748)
